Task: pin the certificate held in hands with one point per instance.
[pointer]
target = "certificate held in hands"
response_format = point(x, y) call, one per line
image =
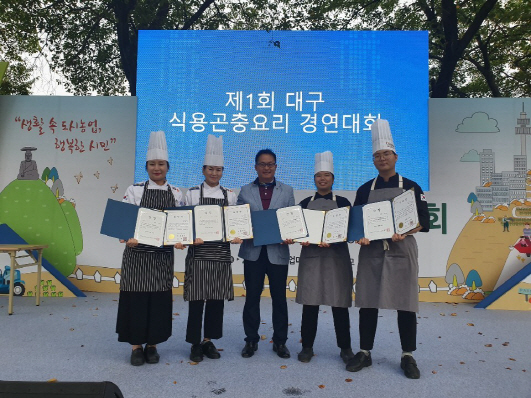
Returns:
point(150, 227)
point(326, 226)
point(381, 220)
point(276, 225)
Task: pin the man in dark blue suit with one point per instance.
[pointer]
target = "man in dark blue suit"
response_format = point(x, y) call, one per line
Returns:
point(272, 260)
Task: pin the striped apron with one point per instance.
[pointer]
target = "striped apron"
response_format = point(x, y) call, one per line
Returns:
point(148, 268)
point(208, 271)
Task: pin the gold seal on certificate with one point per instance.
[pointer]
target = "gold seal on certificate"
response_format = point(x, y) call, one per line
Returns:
point(238, 222)
point(383, 219)
point(179, 227)
point(335, 226)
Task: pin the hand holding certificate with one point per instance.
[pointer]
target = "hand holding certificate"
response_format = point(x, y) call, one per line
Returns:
point(329, 226)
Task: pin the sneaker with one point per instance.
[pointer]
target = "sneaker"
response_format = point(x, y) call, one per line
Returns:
point(306, 354)
point(346, 354)
point(409, 366)
point(196, 353)
point(210, 350)
point(360, 361)
point(137, 357)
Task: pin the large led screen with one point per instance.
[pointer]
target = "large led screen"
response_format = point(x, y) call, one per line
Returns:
point(297, 93)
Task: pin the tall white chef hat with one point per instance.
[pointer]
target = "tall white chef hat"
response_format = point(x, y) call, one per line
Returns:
point(214, 151)
point(157, 148)
point(381, 136)
point(324, 162)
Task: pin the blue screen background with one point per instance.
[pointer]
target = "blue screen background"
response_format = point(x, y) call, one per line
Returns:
point(366, 73)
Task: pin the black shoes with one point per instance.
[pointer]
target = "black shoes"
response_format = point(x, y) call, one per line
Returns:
point(281, 350)
point(210, 350)
point(137, 357)
point(359, 361)
point(346, 354)
point(305, 355)
point(196, 353)
point(152, 356)
point(249, 349)
point(409, 366)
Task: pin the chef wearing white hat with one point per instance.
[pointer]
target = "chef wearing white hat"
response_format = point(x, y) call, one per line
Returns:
point(145, 305)
point(208, 272)
point(387, 274)
point(325, 271)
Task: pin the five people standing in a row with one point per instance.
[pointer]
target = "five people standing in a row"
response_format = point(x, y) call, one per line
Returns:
point(386, 277)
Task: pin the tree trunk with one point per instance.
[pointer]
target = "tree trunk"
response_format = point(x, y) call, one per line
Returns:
point(454, 46)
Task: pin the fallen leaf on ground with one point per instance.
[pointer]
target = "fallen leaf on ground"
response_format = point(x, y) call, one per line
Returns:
point(462, 363)
point(321, 386)
point(470, 324)
point(54, 380)
point(512, 359)
point(505, 344)
point(283, 367)
point(348, 380)
point(174, 382)
point(434, 372)
point(488, 345)
point(442, 314)
point(220, 349)
point(176, 313)
point(263, 337)
point(71, 329)
point(508, 368)
point(453, 314)
point(193, 363)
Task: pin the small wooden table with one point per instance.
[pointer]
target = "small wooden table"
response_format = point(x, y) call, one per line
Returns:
point(12, 250)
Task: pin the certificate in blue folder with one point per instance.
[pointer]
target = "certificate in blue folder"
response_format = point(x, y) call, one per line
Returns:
point(119, 219)
point(265, 227)
point(355, 224)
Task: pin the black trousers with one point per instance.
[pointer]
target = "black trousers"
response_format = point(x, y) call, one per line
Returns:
point(213, 320)
point(310, 314)
point(407, 328)
point(254, 273)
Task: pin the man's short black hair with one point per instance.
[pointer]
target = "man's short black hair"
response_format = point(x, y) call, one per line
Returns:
point(167, 164)
point(266, 151)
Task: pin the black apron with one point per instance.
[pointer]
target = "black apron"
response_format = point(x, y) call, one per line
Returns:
point(325, 275)
point(148, 268)
point(208, 271)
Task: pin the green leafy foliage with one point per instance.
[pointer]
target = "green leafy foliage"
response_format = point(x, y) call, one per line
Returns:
point(477, 47)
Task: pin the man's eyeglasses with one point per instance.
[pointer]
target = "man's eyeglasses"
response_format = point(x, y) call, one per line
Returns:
point(264, 165)
point(383, 155)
